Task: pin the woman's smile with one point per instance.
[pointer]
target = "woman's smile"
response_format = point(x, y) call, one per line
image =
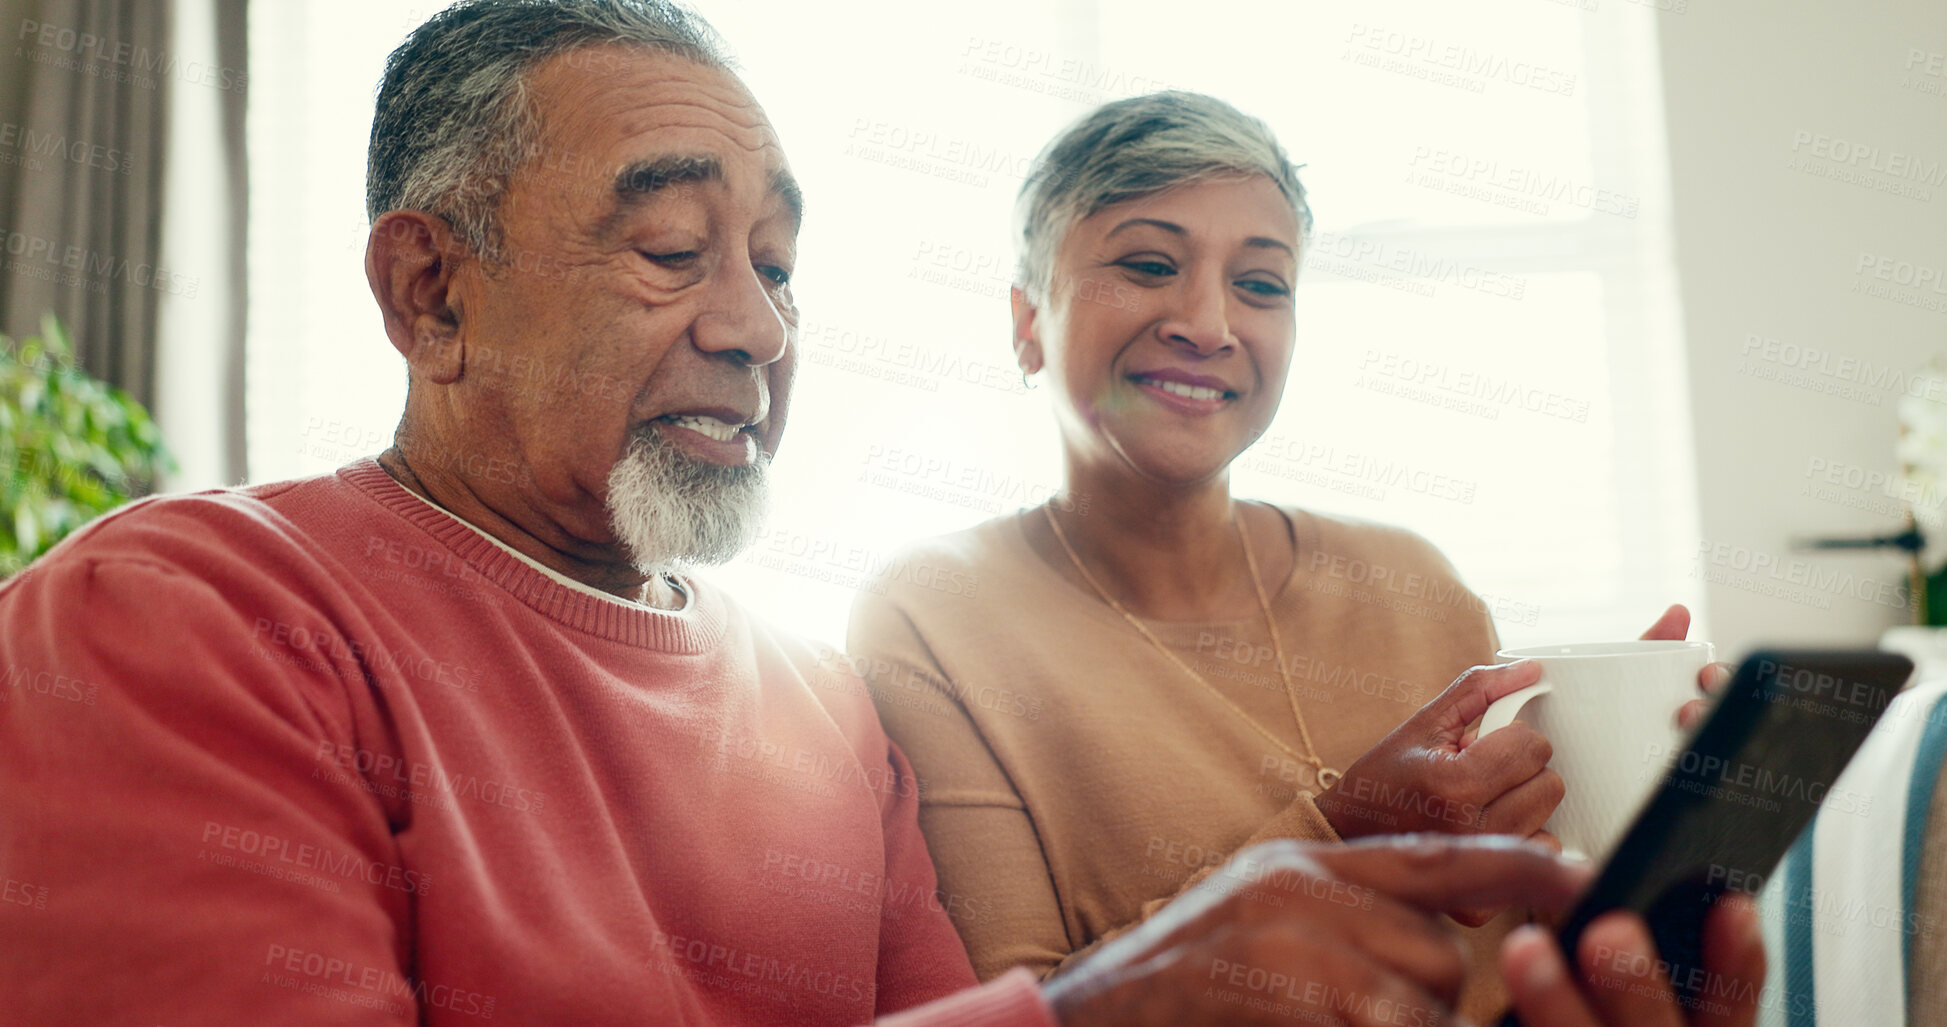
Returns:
point(1194, 395)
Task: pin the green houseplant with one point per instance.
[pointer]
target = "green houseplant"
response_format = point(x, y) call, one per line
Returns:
point(76, 447)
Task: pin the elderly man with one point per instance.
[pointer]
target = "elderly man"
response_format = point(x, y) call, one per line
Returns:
point(454, 735)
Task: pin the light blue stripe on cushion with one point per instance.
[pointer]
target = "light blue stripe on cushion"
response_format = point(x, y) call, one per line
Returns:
point(1919, 799)
point(1801, 999)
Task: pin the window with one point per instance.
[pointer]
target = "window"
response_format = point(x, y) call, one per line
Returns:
point(1487, 353)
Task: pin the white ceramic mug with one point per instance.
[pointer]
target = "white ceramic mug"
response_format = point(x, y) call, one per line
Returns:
point(1610, 711)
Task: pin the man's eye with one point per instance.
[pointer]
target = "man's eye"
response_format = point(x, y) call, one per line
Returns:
point(680, 259)
point(1148, 267)
point(777, 275)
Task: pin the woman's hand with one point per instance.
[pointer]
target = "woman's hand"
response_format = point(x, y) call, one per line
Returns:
point(1673, 626)
point(1426, 776)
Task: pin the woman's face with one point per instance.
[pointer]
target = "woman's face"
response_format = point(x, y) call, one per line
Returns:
point(1168, 328)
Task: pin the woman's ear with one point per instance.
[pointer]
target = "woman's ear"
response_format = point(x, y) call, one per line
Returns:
point(1027, 344)
point(410, 264)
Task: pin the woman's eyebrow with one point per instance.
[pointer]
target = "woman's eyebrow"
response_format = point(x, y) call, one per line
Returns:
point(1167, 226)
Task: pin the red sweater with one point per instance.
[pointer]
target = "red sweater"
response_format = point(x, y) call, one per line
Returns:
point(318, 753)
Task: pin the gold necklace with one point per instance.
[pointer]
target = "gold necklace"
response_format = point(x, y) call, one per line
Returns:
point(1325, 776)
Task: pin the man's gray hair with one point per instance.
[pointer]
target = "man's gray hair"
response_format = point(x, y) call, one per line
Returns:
point(1133, 148)
point(454, 121)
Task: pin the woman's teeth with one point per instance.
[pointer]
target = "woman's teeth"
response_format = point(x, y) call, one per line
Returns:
point(709, 426)
point(1185, 390)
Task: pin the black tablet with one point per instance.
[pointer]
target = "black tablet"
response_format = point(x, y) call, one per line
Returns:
point(1735, 797)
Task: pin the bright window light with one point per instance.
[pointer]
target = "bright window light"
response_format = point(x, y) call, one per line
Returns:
point(1487, 345)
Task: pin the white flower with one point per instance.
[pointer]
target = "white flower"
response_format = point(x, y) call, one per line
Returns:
point(1922, 449)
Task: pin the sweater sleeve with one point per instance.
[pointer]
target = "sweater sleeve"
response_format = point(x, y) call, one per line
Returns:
point(920, 956)
point(992, 872)
point(151, 769)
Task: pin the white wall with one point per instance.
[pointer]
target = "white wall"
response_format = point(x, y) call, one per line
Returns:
point(1768, 249)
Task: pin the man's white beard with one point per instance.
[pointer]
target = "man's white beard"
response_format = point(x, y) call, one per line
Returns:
point(671, 510)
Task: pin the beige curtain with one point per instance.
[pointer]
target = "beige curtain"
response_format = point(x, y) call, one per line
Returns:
point(87, 90)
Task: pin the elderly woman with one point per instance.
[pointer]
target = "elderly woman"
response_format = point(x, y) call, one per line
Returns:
point(1154, 673)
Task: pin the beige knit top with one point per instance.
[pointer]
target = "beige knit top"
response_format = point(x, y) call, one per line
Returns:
point(1073, 779)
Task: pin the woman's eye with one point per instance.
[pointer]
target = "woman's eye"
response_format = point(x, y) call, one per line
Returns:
point(1147, 267)
point(777, 275)
point(1262, 287)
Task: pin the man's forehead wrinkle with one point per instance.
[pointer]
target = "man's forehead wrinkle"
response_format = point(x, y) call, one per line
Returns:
point(645, 109)
point(649, 87)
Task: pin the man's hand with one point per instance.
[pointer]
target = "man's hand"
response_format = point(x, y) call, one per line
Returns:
point(1622, 982)
point(1316, 932)
point(1674, 626)
point(1347, 934)
point(1426, 775)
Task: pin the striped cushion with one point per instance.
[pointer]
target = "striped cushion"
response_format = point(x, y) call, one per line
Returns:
point(1850, 939)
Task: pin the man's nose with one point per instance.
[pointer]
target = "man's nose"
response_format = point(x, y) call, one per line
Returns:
point(1199, 317)
point(743, 320)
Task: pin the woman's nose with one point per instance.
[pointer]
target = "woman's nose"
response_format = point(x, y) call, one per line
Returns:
point(1200, 318)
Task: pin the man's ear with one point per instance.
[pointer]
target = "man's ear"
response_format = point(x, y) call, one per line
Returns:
point(1027, 346)
point(410, 260)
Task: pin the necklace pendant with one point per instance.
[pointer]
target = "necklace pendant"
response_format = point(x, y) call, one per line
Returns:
point(1327, 777)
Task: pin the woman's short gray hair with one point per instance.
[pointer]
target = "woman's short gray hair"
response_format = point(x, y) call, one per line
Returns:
point(454, 120)
point(1133, 148)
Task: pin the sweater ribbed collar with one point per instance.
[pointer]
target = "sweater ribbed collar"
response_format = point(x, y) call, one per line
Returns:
point(696, 628)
